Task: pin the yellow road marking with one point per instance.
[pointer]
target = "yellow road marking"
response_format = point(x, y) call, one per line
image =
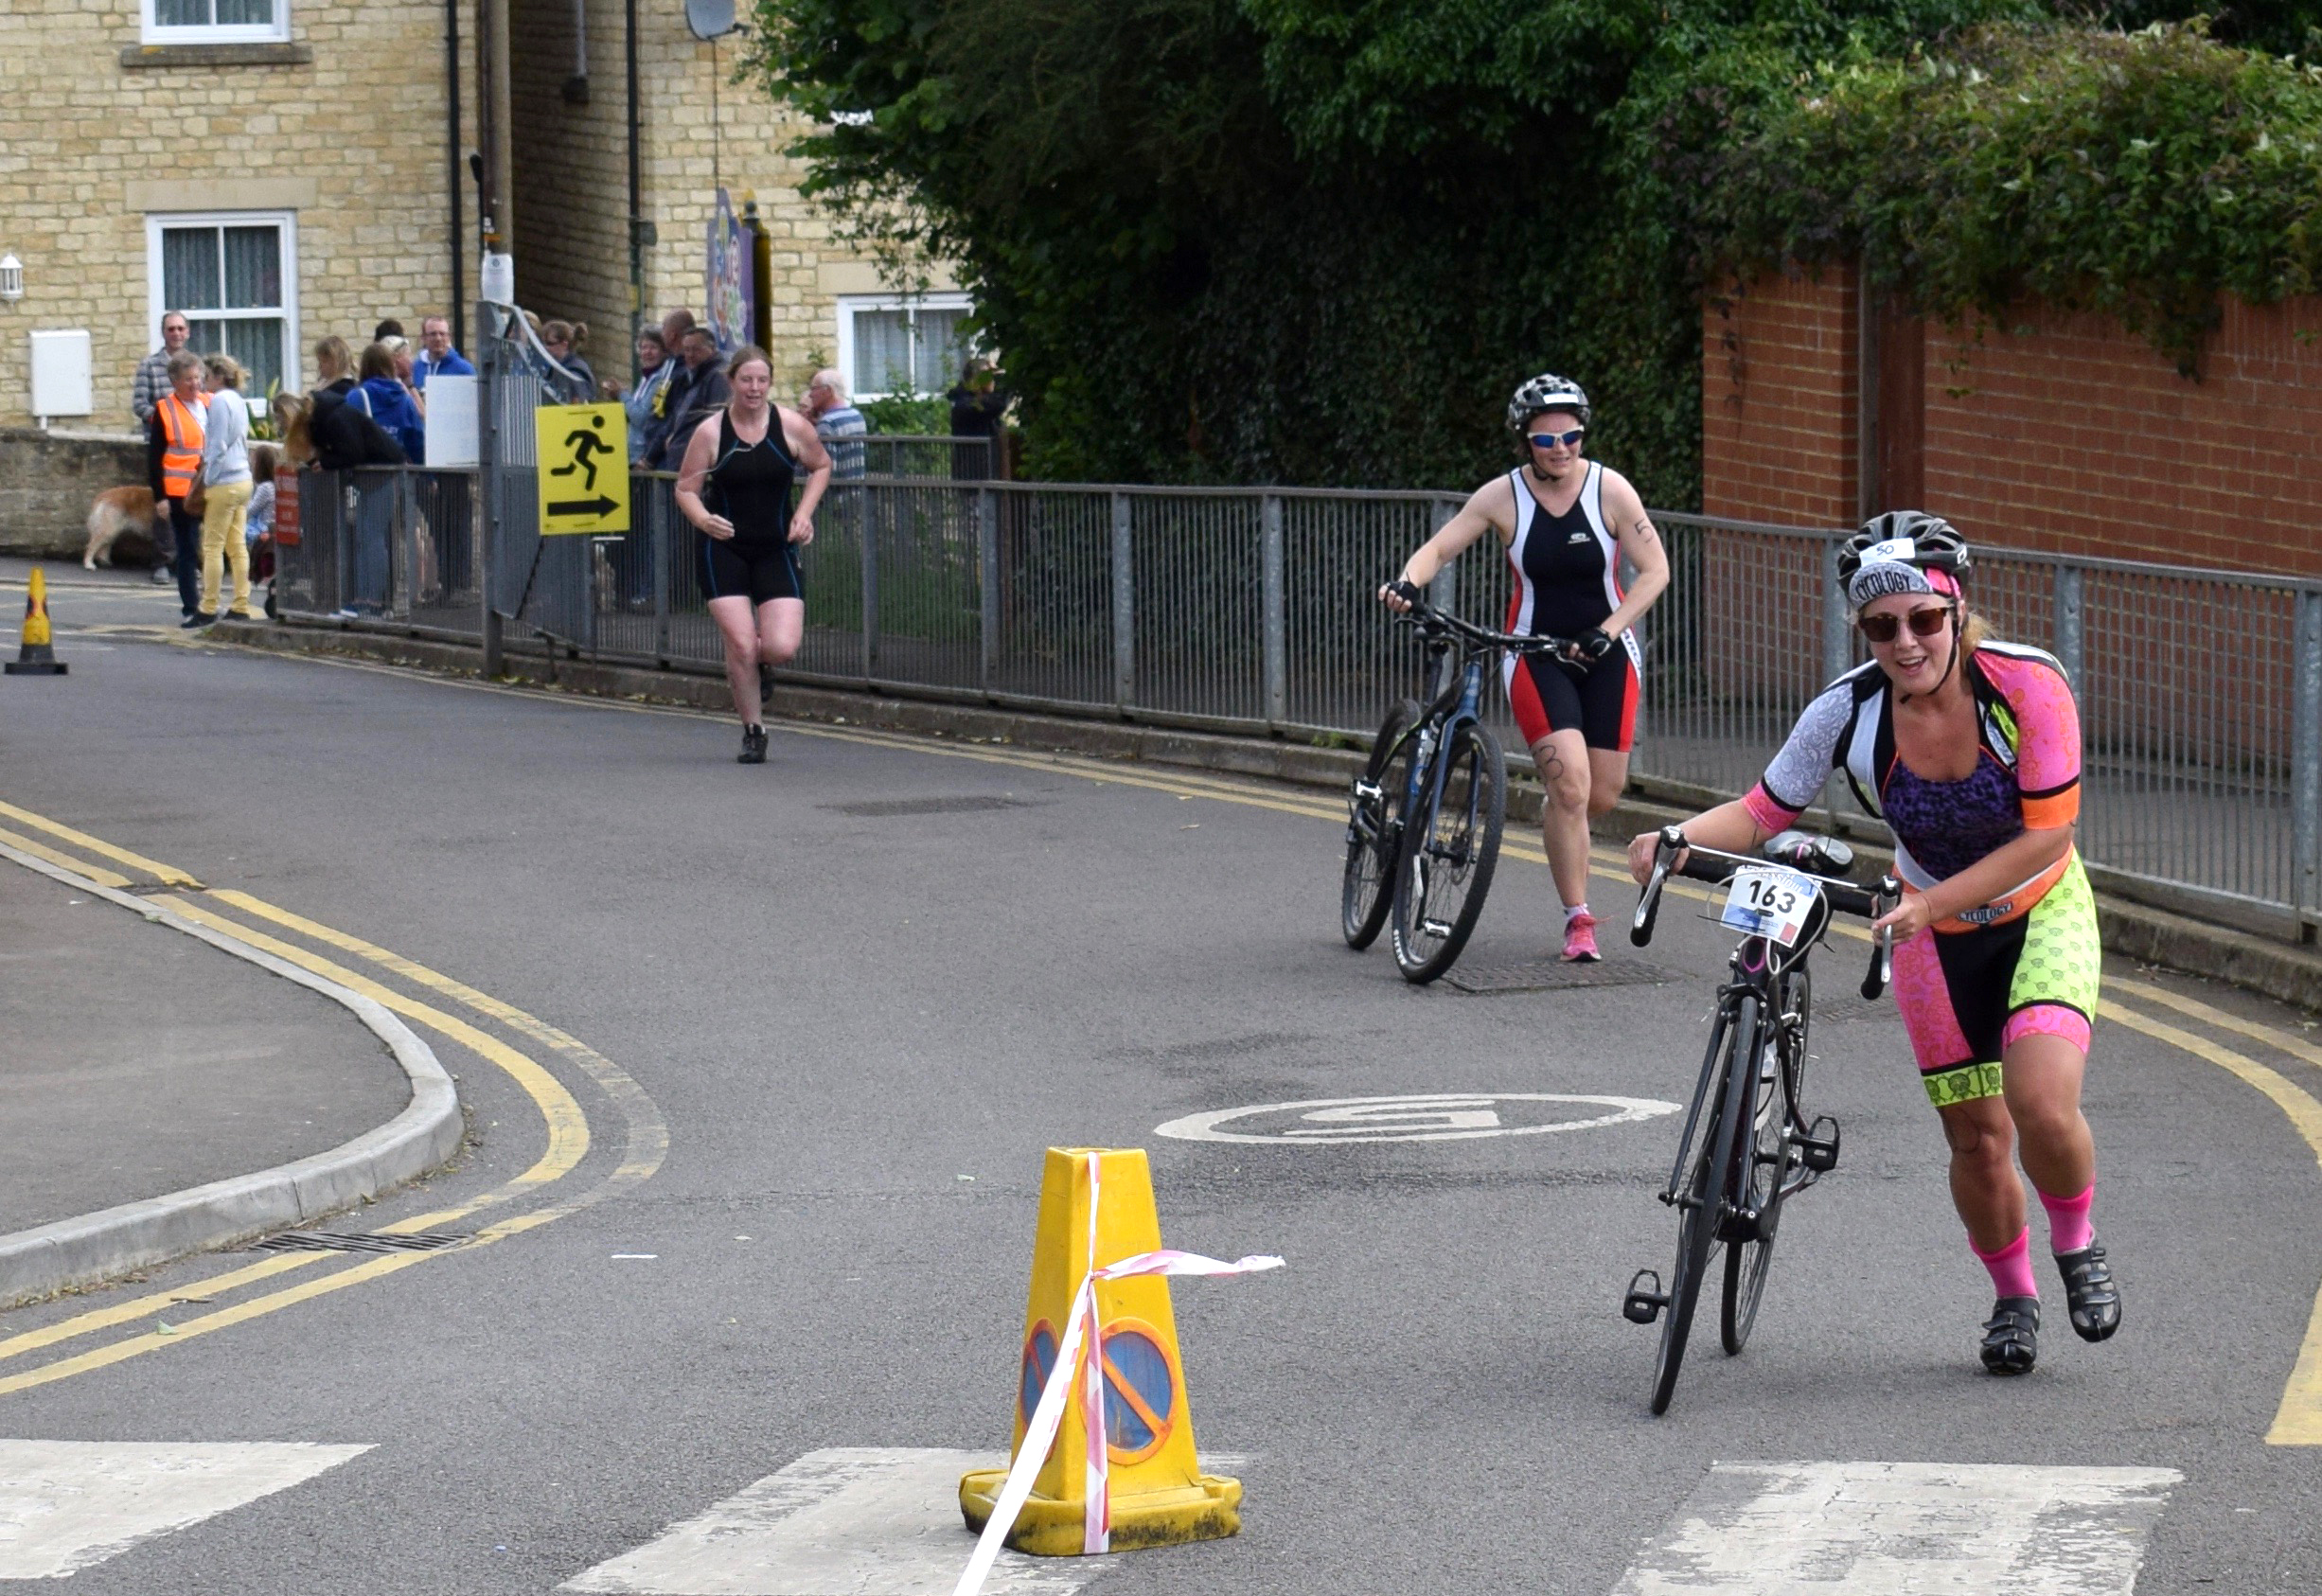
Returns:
point(2299, 1421)
point(167, 874)
point(2293, 1046)
point(159, 1303)
point(568, 1128)
point(102, 877)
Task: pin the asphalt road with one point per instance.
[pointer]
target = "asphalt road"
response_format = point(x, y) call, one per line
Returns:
point(864, 986)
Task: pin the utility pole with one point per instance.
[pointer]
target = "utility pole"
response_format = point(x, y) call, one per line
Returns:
point(496, 183)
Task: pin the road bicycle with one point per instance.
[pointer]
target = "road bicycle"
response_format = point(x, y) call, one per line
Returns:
point(1424, 819)
point(1746, 1147)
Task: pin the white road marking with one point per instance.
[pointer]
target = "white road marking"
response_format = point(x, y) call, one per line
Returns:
point(1454, 1116)
point(1895, 1529)
point(67, 1505)
point(866, 1520)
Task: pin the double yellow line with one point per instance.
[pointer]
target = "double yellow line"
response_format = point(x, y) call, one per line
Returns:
point(645, 1140)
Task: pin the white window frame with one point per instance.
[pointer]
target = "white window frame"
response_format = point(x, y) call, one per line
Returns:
point(286, 220)
point(152, 33)
point(851, 303)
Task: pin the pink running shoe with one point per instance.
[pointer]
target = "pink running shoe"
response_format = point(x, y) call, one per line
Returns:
point(1579, 940)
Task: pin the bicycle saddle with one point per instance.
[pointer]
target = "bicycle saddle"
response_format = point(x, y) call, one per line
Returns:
point(1818, 855)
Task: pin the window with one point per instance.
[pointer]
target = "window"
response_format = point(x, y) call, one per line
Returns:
point(234, 276)
point(215, 21)
point(903, 346)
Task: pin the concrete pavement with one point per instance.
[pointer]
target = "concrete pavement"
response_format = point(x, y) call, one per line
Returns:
point(858, 990)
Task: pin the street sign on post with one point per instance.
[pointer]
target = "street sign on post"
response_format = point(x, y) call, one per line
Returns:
point(583, 468)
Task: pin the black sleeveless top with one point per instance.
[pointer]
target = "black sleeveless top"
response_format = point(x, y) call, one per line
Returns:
point(750, 483)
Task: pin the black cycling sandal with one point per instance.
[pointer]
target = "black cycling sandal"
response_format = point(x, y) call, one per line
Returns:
point(2090, 1291)
point(2011, 1336)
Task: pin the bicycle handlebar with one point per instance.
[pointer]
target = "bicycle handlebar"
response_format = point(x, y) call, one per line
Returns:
point(1673, 854)
point(1431, 620)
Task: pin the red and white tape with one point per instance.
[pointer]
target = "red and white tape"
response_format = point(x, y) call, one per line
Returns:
point(1080, 1327)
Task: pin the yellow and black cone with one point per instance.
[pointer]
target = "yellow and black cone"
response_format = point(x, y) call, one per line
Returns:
point(36, 656)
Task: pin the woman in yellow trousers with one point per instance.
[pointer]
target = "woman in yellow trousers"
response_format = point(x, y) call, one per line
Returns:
point(225, 485)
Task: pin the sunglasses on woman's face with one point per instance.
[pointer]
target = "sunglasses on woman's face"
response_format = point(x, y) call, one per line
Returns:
point(1926, 622)
point(1550, 441)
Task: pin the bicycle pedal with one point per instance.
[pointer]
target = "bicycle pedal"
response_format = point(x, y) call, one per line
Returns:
point(1739, 1226)
point(1641, 1306)
point(1436, 928)
point(1819, 1151)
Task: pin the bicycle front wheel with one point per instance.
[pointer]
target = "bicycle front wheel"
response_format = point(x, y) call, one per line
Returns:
point(1763, 1154)
point(1374, 828)
point(1702, 1202)
point(1450, 846)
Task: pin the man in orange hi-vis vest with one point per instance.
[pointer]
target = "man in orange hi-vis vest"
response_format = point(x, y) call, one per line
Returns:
point(173, 455)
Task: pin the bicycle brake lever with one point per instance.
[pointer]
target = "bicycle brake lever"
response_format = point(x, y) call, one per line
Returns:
point(1882, 972)
point(1649, 902)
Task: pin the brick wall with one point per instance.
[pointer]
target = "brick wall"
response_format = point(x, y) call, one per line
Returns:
point(351, 139)
point(2061, 433)
point(47, 484)
point(1779, 402)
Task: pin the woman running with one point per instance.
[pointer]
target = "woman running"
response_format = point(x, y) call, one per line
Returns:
point(735, 485)
point(1970, 749)
point(1565, 523)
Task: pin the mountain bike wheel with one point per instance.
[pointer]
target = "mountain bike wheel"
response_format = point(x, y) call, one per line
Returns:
point(1704, 1191)
point(1450, 846)
point(1374, 828)
point(1765, 1152)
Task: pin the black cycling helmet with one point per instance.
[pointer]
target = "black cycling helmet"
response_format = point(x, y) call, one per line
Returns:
point(1902, 551)
point(1546, 391)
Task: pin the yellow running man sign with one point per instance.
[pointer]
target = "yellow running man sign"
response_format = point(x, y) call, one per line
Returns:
point(583, 469)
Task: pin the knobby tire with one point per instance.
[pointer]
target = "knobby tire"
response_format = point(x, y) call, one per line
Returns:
point(1374, 833)
point(1450, 848)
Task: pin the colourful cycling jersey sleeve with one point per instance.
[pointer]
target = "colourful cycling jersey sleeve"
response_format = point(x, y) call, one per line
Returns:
point(1794, 779)
point(2047, 757)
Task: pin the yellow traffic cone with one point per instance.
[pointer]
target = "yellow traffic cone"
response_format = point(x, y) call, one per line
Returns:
point(34, 657)
point(1143, 1485)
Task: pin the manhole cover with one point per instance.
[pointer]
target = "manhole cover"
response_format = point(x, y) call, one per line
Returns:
point(1549, 974)
point(874, 809)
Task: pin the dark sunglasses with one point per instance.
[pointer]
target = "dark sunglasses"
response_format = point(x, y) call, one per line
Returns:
point(1550, 441)
point(1926, 622)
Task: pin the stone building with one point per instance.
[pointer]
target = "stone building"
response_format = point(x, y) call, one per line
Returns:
point(284, 170)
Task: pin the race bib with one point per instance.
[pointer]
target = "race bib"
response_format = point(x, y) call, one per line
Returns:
point(1770, 903)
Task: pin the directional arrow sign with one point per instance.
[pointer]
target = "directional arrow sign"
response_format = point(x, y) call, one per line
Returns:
point(583, 469)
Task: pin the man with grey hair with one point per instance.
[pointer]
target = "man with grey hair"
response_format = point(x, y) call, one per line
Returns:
point(153, 371)
point(825, 404)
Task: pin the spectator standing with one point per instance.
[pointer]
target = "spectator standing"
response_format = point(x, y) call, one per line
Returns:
point(173, 459)
point(153, 371)
point(345, 438)
point(979, 409)
point(436, 356)
point(654, 369)
point(265, 460)
point(674, 326)
point(694, 394)
point(386, 330)
point(385, 397)
point(835, 419)
point(564, 341)
point(225, 489)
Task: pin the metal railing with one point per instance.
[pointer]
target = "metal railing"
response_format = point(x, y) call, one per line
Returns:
point(1252, 610)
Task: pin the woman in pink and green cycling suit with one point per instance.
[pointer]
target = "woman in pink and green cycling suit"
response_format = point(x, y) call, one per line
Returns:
point(1970, 749)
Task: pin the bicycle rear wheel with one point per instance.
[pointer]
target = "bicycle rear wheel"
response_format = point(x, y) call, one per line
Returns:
point(1450, 848)
point(1374, 828)
point(1766, 1151)
point(1704, 1194)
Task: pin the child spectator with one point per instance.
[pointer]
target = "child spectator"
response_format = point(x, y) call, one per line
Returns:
point(265, 459)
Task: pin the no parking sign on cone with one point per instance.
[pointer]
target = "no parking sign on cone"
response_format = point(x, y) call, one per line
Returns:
point(1103, 1456)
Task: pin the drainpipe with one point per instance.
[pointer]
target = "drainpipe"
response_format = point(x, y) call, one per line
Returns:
point(639, 230)
point(460, 177)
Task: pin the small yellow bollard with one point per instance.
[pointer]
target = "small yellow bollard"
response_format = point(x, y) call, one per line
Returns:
point(34, 655)
point(1158, 1496)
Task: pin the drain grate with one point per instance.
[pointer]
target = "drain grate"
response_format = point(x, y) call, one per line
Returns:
point(1548, 974)
point(875, 809)
point(341, 1241)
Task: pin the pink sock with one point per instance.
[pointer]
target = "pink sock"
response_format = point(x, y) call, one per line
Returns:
point(2068, 1229)
point(2011, 1266)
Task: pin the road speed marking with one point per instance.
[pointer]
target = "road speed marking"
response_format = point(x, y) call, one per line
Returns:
point(1436, 1116)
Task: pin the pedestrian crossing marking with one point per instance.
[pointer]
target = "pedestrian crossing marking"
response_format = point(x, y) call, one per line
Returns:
point(65, 1505)
point(1900, 1529)
point(867, 1520)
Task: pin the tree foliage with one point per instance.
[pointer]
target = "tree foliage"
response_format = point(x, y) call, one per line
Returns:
point(1320, 240)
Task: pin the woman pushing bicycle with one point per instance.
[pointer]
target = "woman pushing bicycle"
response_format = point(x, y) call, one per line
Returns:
point(1566, 523)
point(1970, 749)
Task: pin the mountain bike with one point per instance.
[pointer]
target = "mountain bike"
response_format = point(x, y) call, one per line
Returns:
point(1746, 1147)
point(1425, 817)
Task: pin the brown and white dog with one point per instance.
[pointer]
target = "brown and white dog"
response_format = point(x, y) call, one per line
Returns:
point(118, 510)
